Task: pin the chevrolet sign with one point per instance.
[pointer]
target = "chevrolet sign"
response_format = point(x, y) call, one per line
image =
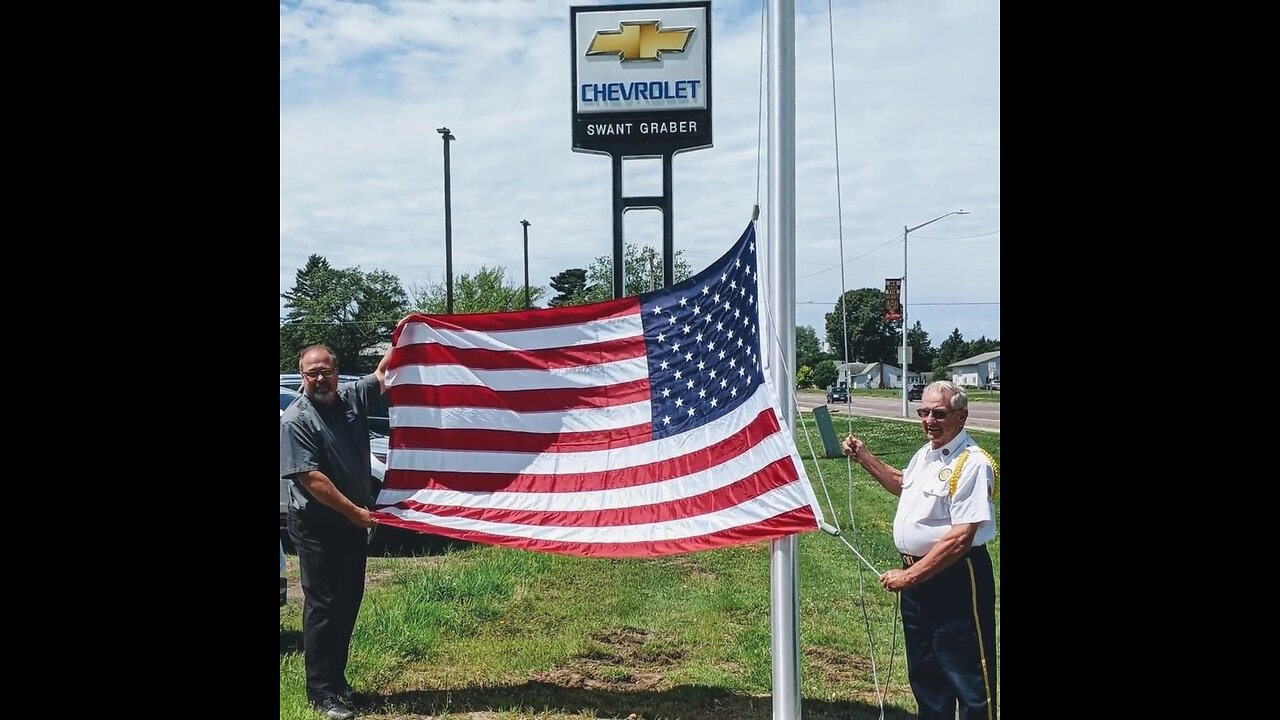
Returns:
point(641, 77)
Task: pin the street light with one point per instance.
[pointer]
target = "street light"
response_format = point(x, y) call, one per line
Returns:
point(446, 136)
point(905, 231)
point(525, 223)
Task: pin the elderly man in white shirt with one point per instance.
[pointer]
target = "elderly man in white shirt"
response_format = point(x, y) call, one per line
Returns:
point(945, 518)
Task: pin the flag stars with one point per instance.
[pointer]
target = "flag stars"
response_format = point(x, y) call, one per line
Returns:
point(689, 385)
point(702, 365)
point(663, 365)
point(714, 402)
point(671, 320)
point(698, 337)
point(683, 302)
point(723, 383)
point(688, 357)
point(713, 374)
point(678, 374)
point(716, 298)
point(686, 329)
point(661, 338)
point(702, 393)
point(675, 348)
point(657, 309)
point(696, 311)
point(705, 289)
point(692, 410)
point(666, 392)
point(680, 402)
point(722, 353)
point(666, 420)
point(733, 392)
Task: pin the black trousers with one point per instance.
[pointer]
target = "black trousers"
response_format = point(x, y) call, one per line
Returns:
point(331, 556)
point(949, 625)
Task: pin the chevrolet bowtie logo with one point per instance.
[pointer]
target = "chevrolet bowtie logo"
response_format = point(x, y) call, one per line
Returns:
point(636, 41)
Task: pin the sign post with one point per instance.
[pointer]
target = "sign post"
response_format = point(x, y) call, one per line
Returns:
point(641, 89)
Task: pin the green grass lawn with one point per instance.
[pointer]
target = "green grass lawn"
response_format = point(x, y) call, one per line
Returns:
point(472, 632)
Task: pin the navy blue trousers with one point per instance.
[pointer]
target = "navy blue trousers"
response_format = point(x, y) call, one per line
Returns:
point(949, 625)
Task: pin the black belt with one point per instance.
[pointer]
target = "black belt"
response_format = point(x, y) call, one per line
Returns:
point(909, 560)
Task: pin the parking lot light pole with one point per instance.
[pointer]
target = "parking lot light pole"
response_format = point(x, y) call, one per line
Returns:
point(525, 223)
point(905, 231)
point(446, 136)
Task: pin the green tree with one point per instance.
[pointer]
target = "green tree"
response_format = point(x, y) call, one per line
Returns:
point(922, 353)
point(346, 309)
point(979, 346)
point(641, 272)
point(569, 284)
point(807, 349)
point(952, 349)
point(824, 374)
point(488, 290)
point(804, 377)
point(871, 338)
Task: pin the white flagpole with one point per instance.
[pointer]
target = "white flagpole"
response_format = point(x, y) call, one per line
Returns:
point(780, 221)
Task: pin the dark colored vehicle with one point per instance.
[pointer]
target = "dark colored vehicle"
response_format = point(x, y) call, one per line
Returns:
point(915, 391)
point(840, 393)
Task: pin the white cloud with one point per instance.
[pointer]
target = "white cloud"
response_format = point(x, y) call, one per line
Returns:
point(364, 86)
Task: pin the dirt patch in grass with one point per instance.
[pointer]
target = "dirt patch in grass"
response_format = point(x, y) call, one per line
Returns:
point(622, 659)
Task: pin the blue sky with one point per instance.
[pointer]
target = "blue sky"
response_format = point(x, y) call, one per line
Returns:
point(364, 85)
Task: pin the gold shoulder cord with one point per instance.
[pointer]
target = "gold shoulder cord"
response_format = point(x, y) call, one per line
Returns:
point(955, 474)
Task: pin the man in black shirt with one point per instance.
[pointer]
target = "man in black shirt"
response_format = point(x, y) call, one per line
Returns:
point(324, 449)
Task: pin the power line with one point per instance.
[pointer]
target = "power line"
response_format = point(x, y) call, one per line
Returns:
point(958, 237)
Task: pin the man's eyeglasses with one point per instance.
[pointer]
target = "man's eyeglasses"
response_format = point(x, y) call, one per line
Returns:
point(314, 374)
point(937, 414)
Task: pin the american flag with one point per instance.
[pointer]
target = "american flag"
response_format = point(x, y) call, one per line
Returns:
point(635, 427)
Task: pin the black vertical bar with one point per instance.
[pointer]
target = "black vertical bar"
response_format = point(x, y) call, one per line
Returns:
point(525, 223)
point(618, 208)
point(668, 225)
point(448, 232)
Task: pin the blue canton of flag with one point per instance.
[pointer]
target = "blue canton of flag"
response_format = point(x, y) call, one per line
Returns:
point(703, 342)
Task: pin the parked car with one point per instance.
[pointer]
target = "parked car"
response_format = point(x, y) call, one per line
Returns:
point(993, 384)
point(915, 391)
point(378, 444)
point(839, 393)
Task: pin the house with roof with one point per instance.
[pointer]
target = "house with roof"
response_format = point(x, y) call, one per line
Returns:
point(871, 375)
point(976, 371)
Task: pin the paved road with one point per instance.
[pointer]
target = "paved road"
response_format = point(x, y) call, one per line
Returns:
point(982, 415)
